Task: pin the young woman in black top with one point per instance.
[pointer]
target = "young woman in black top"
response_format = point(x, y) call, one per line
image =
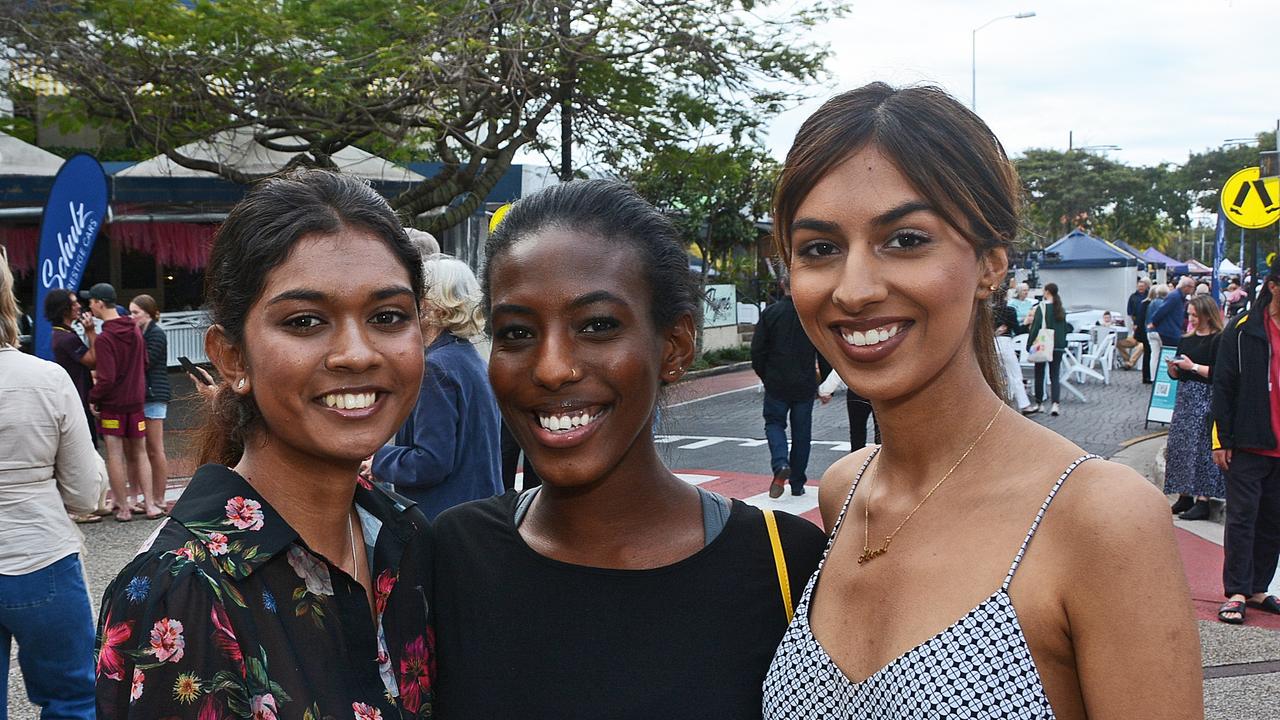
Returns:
point(616, 589)
point(1190, 471)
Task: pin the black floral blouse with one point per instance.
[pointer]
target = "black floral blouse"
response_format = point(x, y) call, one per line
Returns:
point(225, 613)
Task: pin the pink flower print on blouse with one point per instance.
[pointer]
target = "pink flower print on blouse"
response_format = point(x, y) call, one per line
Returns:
point(416, 668)
point(263, 707)
point(366, 712)
point(216, 544)
point(382, 589)
point(110, 658)
point(312, 570)
point(135, 690)
point(225, 638)
point(167, 642)
point(244, 514)
point(185, 552)
point(209, 708)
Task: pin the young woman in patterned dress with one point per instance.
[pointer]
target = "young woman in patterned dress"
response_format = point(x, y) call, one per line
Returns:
point(895, 211)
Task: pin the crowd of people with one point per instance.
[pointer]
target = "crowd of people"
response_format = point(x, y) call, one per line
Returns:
point(346, 549)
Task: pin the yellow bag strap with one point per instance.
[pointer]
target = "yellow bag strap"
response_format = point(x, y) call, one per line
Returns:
point(779, 562)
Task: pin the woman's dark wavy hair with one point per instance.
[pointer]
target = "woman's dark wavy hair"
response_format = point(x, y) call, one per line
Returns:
point(57, 303)
point(612, 213)
point(257, 236)
point(945, 151)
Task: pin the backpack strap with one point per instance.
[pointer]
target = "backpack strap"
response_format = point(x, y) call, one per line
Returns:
point(780, 563)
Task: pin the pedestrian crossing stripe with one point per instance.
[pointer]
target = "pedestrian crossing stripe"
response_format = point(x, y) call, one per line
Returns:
point(1251, 201)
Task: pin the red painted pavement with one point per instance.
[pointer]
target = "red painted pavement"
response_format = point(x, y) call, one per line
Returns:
point(1202, 562)
point(707, 386)
point(1201, 559)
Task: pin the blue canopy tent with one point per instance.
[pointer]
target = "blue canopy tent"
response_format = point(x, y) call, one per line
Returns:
point(1177, 267)
point(1091, 273)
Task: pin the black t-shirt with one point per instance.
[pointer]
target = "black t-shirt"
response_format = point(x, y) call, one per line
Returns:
point(520, 635)
point(1202, 350)
point(68, 348)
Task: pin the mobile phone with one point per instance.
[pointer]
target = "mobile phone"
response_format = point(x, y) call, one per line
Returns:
point(190, 367)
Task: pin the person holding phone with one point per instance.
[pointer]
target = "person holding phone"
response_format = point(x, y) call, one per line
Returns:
point(1190, 471)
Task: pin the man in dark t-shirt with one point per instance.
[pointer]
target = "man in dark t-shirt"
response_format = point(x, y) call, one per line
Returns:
point(62, 310)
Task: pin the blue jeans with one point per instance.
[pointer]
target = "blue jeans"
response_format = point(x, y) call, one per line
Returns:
point(47, 612)
point(775, 429)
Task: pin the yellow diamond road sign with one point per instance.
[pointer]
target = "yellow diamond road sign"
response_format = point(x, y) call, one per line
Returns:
point(1250, 201)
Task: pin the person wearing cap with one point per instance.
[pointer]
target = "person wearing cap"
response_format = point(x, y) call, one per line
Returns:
point(117, 399)
point(1246, 425)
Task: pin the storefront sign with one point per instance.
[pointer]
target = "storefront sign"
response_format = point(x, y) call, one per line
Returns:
point(719, 306)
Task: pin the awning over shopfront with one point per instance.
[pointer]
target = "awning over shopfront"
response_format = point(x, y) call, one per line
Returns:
point(26, 176)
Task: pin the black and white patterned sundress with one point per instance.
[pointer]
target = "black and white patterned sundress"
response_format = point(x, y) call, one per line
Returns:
point(979, 668)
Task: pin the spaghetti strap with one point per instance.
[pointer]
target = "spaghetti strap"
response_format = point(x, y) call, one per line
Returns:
point(1035, 525)
point(845, 508)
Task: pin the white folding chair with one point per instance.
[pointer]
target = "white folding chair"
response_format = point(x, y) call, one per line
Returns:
point(1101, 353)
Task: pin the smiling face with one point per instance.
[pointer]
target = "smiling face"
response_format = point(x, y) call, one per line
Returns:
point(331, 352)
point(884, 286)
point(577, 363)
point(1193, 318)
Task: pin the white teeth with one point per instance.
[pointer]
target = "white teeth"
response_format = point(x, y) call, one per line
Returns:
point(557, 423)
point(874, 336)
point(350, 401)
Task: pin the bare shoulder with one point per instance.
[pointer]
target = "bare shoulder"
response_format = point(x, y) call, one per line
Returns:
point(835, 484)
point(1110, 501)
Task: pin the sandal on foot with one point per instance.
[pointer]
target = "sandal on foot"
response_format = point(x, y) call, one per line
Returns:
point(84, 519)
point(1227, 608)
point(1268, 604)
point(123, 515)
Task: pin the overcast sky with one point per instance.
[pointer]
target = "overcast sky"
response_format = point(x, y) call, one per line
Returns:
point(1158, 78)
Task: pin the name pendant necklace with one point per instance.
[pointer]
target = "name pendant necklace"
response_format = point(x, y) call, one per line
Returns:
point(867, 553)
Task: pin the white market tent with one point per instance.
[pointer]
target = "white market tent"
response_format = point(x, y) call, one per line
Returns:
point(22, 158)
point(1226, 267)
point(1091, 273)
point(237, 149)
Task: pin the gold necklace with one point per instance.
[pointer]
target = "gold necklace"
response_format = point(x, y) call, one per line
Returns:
point(867, 552)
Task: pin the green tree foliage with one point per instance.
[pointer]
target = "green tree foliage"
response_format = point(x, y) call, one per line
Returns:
point(714, 194)
point(465, 82)
point(1205, 172)
point(1066, 190)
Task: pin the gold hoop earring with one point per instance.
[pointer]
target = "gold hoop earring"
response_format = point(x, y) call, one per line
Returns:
point(573, 373)
point(994, 288)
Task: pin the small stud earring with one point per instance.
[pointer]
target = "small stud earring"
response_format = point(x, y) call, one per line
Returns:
point(993, 288)
point(240, 385)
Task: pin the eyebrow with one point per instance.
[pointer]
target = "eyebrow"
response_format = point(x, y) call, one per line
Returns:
point(306, 295)
point(581, 301)
point(884, 218)
point(901, 211)
point(592, 298)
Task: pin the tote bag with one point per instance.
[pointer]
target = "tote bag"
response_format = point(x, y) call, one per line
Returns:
point(1041, 349)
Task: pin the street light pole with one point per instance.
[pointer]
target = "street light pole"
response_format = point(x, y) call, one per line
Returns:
point(973, 54)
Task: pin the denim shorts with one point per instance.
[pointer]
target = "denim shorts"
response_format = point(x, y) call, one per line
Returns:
point(155, 410)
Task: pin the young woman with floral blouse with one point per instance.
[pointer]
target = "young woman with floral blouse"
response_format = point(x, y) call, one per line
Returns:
point(280, 586)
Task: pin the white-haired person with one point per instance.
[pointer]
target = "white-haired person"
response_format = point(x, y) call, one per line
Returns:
point(447, 452)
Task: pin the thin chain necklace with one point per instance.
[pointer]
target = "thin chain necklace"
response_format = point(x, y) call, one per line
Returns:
point(355, 564)
point(867, 552)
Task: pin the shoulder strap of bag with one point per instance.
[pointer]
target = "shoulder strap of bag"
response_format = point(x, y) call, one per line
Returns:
point(779, 562)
